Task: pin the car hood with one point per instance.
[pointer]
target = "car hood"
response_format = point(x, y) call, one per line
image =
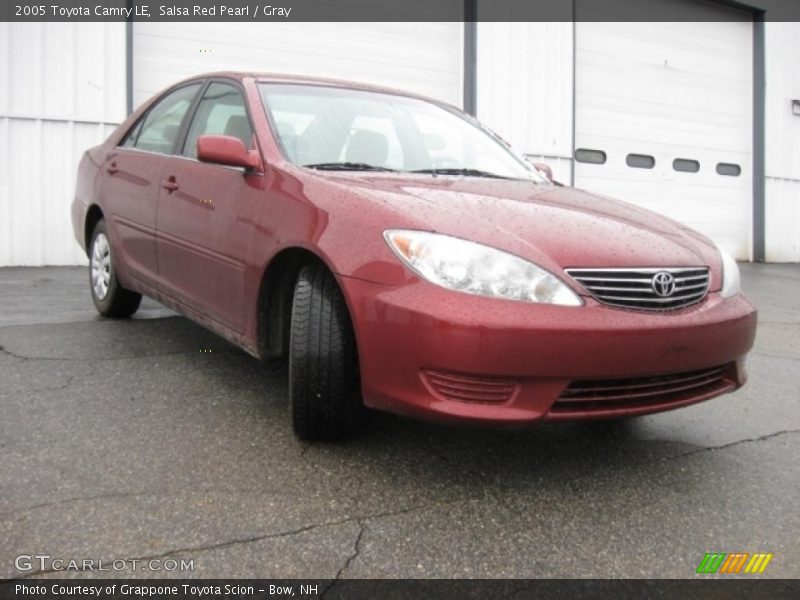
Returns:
point(558, 227)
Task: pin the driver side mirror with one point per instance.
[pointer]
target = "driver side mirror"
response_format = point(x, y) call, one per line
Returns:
point(544, 169)
point(226, 150)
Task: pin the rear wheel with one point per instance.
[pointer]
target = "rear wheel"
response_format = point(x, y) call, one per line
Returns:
point(323, 372)
point(110, 298)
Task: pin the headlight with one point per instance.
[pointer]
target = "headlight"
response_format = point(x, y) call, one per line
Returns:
point(730, 274)
point(473, 268)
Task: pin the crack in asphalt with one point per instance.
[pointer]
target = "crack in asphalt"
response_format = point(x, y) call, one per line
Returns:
point(761, 438)
point(348, 561)
point(63, 386)
point(8, 352)
point(71, 501)
point(356, 550)
point(305, 449)
point(109, 495)
point(209, 547)
point(360, 520)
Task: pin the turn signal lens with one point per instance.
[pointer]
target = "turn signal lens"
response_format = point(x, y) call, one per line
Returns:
point(731, 281)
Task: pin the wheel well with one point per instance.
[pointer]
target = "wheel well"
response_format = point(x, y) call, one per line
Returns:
point(275, 300)
point(93, 215)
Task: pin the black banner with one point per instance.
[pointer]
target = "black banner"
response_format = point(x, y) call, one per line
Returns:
point(382, 589)
point(402, 10)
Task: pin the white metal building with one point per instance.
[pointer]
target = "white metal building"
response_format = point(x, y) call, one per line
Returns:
point(665, 115)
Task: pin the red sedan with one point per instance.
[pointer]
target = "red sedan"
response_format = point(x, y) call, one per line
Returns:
point(403, 257)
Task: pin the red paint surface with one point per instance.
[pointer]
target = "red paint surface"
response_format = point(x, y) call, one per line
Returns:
point(203, 245)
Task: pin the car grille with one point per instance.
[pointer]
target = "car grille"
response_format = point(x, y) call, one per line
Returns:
point(463, 388)
point(600, 395)
point(635, 288)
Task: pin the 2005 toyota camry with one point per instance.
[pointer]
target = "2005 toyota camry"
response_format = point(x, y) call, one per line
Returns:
point(403, 257)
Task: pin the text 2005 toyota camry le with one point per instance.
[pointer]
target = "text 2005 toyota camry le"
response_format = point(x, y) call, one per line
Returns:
point(402, 257)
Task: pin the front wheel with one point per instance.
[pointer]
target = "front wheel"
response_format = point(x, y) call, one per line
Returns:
point(110, 298)
point(323, 373)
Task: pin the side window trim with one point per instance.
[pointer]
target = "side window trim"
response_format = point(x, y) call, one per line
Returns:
point(140, 121)
point(136, 129)
point(192, 112)
point(188, 118)
point(139, 126)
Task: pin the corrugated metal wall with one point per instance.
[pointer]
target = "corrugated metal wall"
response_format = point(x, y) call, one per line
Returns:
point(524, 74)
point(426, 58)
point(782, 143)
point(63, 90)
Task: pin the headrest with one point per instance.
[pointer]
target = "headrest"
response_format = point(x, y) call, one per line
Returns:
point(367, 147)
point(239, 127)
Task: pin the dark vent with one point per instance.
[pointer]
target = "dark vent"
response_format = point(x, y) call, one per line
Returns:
point(463, 388)
point(640, 161)
point(595, 157)
point(614, 394)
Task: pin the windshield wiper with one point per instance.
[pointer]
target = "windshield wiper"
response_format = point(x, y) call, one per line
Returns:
point(467, 172)
point(347, 166)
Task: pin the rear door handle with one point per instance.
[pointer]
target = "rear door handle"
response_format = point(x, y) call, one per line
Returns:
point(112, 168)
point(170, 184)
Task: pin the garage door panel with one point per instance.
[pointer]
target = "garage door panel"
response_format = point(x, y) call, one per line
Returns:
point(693, 47)
point(426, 59)
point(682, 188)
point(669, 90)
point(722, 135)
point(617, 148)
point(654, 92)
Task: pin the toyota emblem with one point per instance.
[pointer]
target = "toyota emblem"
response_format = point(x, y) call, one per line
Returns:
point(663, 284)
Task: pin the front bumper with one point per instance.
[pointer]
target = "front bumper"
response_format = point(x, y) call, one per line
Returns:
point(436, 354)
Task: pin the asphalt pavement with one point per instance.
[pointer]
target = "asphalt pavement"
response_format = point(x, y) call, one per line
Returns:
point(153, 438)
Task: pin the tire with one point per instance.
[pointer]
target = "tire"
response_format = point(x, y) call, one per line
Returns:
point(324, 403)
point(110, 298)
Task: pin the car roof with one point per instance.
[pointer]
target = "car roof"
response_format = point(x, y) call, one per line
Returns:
point(263, 77)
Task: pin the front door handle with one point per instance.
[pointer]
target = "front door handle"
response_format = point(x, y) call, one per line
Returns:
point(112, 168)
point(170, 184)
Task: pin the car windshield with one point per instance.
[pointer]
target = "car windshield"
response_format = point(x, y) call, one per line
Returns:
point(335, 128)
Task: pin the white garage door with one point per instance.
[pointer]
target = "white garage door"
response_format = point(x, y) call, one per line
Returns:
point(425, 58)
point(664, 120)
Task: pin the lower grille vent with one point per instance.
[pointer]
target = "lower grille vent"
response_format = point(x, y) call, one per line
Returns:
point(609, 394)
point(468, 388)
